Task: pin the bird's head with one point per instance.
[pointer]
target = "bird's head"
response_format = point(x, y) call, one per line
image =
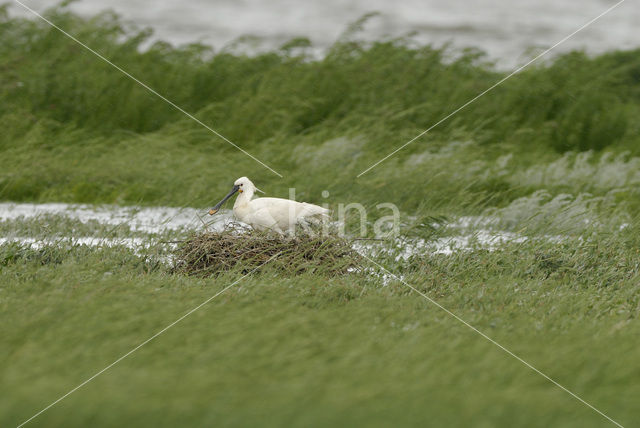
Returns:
point(241, 185)
point(244, 185)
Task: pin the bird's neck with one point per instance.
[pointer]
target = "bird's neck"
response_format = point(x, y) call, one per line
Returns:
point(243, 199)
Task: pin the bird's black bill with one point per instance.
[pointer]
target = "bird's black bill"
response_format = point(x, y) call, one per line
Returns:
point(215, 209)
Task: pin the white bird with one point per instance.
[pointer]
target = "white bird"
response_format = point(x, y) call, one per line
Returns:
point(277, 214)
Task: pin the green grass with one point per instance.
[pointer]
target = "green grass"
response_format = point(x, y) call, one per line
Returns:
point(314, 351)
point(552, 153)
point(77, 130)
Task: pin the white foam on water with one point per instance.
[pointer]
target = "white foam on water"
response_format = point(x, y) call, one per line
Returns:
point(138, 219)
point(483, 238)
point(135, 244)
point(470, 232)
point(404, 249)
point(92, 241)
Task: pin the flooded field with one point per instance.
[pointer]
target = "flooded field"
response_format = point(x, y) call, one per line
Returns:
point(38, 225)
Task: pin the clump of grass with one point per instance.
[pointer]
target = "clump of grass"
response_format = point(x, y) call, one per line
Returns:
point(14, 253)
point(211, 253)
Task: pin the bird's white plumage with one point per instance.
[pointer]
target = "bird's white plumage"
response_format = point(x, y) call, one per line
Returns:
point(280, 215)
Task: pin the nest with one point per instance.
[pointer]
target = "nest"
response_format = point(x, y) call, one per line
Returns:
point(212, 253)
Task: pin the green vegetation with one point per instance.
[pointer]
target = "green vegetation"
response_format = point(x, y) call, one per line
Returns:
point(312, 350)
point(552, 155)
point(77, 130)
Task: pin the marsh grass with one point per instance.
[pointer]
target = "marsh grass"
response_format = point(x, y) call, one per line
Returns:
point(76, 130)
point(104, 258)
point(553, 151)
point(342, 342)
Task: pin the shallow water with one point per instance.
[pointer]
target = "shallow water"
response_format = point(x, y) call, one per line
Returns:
point(469, 232)
point(91, 241)
point(142, 219)
point(506, 29)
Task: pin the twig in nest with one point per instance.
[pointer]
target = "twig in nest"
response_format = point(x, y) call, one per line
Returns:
point(211, 253)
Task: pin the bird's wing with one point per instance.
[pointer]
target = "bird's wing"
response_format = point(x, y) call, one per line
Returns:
point(310, 210)
point(279, 207)
point(260, 203)
point(283, 212)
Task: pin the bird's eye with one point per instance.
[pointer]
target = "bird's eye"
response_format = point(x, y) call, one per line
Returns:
point(240, 184)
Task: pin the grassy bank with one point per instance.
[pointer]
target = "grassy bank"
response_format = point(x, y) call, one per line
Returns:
point(314, 351)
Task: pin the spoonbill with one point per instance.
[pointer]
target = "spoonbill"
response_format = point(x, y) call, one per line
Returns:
point(275, 214)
